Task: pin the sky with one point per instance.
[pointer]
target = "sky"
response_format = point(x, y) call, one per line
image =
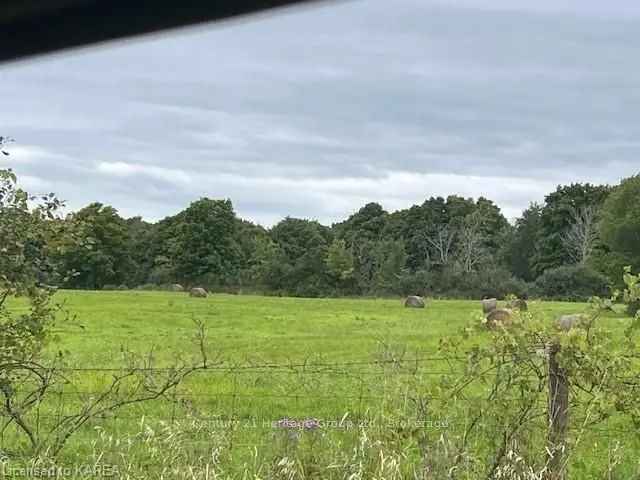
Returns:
point(316, 111)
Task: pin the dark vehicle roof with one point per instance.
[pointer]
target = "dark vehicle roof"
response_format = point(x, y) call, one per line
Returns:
point(34, 27)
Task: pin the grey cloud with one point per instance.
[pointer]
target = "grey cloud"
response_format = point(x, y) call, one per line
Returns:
point(313, 112)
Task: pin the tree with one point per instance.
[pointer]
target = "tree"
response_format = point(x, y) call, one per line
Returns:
point(367, 223)
point(521, 248)
point(391, 261)
point(620, 220)
point(29, 378)
point(557, 217)
point(414, 226)
point(491, 224)
point(302, 249)
point(253, 244)
point(203, 249)
point(141, 237)
point(441, 243)
point(25, 227)
point(96, 250)
point(471, 243)
point(266, 261)
point(340, 263)
point(580, 238)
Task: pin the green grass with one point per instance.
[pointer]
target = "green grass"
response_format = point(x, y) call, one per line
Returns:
point(268, 329)
point(247, 331)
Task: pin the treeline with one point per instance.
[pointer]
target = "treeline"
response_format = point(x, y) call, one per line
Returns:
point(572, 246)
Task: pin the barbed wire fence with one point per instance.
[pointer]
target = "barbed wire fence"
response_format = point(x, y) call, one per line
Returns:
point(313, 395)
point(360, 375)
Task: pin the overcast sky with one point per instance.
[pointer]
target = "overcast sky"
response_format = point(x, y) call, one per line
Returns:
point(314, 112)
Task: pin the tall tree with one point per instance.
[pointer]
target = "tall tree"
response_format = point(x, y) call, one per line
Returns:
point(367, 223)
point(253, 244)
point(142, 238)
point(580, 238)
point(302, 249)
point(620, 221)
point(28, 231)
point(340, 264)
point(557, 217)
point(441, 243)
point(471, 249)
point(521, 248)
point(97, 247)
point(391, 261)
point(416, 226)
point(204, 248)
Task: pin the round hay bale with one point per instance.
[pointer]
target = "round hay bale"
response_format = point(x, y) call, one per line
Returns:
point(518, 304)
point(414, 301)
point(176, 287)
point(567, 322)
point(499, 316)
point(489, 305)
point(198, 292)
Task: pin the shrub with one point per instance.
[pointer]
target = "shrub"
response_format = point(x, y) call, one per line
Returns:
point(497, 282)
point(610, 264)
point(572, 283)
point(491, 282)
point(415, 283)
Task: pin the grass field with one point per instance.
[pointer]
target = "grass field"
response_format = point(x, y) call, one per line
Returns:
point(266, 329)
point(273, 358)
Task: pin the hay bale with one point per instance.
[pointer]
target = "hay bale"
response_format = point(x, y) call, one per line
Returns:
point(414, 301)
point(489, 305)
point(198, 292)
point(499, 316)
point(176, 287)
point(567, 322)
point(517, 304)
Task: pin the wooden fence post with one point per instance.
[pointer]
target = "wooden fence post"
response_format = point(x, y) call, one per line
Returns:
point(558, 415)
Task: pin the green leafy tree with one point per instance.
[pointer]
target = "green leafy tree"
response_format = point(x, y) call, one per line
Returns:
point(418, 226)
point(367, 223)
point(340, 264)
point(557, 217)
point(204, 247)
point(491, 224)
point(30, 233)
point(253, 244)
point(391, 262)
point(521, 247)
point(302, 249)
point(141, 239)
point(26, 227)
point(97, 249)
point(620, 221)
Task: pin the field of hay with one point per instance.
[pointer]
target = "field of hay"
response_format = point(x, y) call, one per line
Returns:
point(356, 369)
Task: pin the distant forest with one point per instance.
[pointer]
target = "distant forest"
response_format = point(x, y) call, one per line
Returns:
point(574, 245)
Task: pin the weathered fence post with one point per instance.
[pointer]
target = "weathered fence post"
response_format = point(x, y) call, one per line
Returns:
point(558, 415)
